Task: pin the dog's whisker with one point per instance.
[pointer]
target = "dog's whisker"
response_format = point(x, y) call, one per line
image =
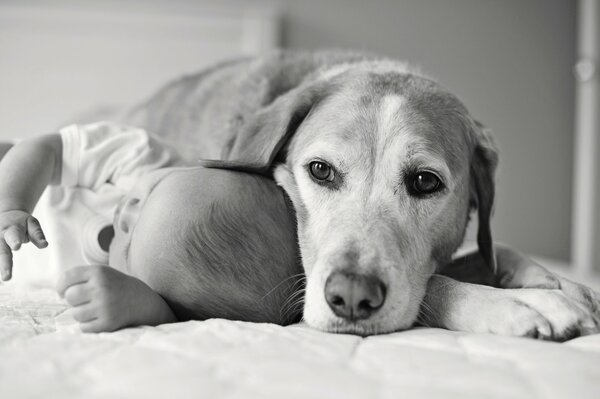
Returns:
point(298, 284)
point(300, 277)
point(294, 307)
point(295, 296)
point(426, 315)
point(286, 307)
point(291, 309)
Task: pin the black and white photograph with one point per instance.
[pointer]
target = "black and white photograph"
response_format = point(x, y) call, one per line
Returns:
point(336, 199)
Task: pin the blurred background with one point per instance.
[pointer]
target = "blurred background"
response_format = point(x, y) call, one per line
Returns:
point(511, 62)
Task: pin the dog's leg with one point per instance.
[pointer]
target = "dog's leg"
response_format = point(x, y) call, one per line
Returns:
point(515, 270)
point(470, 268)
point(539, 313)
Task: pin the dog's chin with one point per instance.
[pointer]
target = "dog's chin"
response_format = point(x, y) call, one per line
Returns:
point(363, 327)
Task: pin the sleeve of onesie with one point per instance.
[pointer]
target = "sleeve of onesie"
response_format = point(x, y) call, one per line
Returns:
point(105, 152)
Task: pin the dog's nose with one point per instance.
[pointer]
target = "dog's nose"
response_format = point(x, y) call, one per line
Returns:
point(354, 296)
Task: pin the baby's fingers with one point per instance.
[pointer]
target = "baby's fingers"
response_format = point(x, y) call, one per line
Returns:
point(15, 236)
point(35, 232)
point(5, 261)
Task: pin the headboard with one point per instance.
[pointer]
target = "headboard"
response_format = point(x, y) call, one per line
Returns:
point(60, 58)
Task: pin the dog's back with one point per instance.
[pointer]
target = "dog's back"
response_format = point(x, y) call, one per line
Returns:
point(201, 113)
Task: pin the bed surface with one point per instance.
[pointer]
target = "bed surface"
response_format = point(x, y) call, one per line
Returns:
point(42, 354)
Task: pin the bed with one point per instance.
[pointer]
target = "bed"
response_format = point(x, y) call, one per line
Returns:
point(42, 354)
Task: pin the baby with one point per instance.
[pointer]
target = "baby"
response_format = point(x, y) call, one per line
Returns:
point(141, 237)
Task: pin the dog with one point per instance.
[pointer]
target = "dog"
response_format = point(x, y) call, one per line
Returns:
point(383, 167)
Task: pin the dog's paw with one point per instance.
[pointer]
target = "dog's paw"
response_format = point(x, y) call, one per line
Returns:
point(568, 318)
point(537, 313)
point(522, 272)
point(513, 317)
point(584, 296)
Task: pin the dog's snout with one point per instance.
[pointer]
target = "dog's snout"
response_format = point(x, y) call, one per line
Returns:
point(354, 296)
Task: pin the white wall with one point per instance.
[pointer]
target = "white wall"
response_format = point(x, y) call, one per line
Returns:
point(60, 58)
point(509, 60)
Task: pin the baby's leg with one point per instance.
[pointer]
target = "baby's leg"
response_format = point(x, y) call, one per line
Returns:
point(104, 299)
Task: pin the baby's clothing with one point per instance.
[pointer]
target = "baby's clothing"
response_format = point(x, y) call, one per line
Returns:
point(101, 163)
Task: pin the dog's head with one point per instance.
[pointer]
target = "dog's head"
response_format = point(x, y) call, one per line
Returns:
point(383, 167)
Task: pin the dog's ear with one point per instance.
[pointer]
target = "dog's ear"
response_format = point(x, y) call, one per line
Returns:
point(483, 168)
point(261, 139)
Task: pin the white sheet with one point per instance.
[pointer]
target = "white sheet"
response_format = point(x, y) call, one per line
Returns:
point(43, 355)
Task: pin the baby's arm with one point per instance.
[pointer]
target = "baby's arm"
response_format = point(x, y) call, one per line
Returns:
point(25, 171)
point(104, 299)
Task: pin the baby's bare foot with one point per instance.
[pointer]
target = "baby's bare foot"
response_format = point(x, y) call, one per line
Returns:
point(104, 299)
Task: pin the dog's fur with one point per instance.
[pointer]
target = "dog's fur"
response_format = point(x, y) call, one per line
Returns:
point(377, 122)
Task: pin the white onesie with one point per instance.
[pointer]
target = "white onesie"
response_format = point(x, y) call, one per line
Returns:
point(101, 163)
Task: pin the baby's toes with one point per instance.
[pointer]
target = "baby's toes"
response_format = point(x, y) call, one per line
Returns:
point(85, 313)
point(97, 316)
point(78, 294)
point(96, 326)
point(100, 324)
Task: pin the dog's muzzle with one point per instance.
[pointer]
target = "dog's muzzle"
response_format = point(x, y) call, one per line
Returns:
point(354, 296)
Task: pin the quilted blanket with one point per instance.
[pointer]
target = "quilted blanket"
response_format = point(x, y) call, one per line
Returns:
point(43, 355)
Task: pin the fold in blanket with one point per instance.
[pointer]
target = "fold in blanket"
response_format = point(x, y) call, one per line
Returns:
point(43, 355)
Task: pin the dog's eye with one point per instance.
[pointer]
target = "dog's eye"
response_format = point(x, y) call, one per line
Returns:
point(321, 171)
point(424, 183)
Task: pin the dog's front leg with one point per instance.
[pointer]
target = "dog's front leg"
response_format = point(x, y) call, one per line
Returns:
point(532, 312)
point(515, 270)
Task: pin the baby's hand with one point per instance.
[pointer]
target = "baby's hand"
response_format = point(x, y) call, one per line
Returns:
point(104, 299)
point(16, 228)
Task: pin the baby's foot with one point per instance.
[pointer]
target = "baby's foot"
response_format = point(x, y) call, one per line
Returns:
point(104, 299)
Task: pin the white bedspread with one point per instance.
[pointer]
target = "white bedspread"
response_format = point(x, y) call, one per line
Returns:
point(43, 355)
